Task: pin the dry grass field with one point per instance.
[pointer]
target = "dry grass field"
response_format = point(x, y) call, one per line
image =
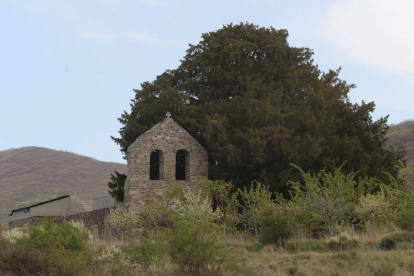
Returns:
point(303, 257)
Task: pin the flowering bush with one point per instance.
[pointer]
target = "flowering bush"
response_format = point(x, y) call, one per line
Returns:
point(59, 236)
point(14, 234)
point(123, 219)
point(374, 210)
point(108, 253)
point(193, 205)
point(78, 224)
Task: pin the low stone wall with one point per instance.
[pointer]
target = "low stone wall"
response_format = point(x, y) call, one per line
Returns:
point(93, 220)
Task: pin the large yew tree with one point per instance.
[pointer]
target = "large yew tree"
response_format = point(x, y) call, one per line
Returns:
point(257, 105)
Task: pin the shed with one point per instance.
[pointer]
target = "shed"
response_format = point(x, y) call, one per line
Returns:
point(53, 207)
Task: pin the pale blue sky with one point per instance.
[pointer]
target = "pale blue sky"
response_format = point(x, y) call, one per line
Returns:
point(67, 68)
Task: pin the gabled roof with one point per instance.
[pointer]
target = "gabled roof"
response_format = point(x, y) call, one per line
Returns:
point(37, 204)
point(167, 124)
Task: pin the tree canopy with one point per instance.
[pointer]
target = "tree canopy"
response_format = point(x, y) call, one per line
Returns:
point(117, 186)
point(258, 104)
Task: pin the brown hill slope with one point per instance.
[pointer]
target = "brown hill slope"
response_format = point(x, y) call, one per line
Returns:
point(32, 174)
point(402, 134)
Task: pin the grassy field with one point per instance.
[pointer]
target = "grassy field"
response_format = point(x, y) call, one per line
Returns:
point(303, 257)
point(313, 258)
point(244, 256)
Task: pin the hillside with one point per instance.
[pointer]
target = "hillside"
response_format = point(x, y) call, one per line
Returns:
point(33, 174)
point(402, 134)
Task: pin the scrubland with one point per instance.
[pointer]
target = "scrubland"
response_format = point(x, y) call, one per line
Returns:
point(244, 255)
point(332, 224)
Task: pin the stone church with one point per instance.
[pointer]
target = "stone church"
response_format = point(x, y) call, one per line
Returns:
point(163, 155)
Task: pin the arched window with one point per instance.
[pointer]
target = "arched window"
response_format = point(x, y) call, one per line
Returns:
point(156, 165)
point(182, 165)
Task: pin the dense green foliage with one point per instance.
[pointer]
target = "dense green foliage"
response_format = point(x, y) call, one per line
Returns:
point(117, 185)
point(257, 104)
point(212, 228)
point(324, 197)
point(47, 249)
point(193, 246)
point(145, 253)
point(392, 240)
point(58, 236)
point(25, 259)
point(276, 225)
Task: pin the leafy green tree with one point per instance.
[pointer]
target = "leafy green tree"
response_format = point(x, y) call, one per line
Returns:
point(253, 199)
point(62, 236)
point(374, 210)
point(257, 104)
point(331, 197)
point(193, 238)
point(277, 224)
point(116, 186)
point(400, 195)
point(225, 200)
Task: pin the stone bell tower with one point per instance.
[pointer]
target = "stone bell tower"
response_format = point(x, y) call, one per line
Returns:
point(163, 155)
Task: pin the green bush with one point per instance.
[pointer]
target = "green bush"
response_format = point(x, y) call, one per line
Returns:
point(404, 219)
point(49, 234)
point(47, 249)
point(392, 240)
point(193, 246)
point(276, 227)
point(25, 259)
point(342, 243)
point(156, 216)
point(145, 253)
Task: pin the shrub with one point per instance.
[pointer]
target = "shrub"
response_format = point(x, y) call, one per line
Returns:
point(47, 249)
point(390, 241)
point(122, 219)
point(404, 219)
point(156, 216)
point(329, 196)
point(192, 242)
point(58, 236)
point(25, 259)
point(373, 210)
point(342, 242)
point(145, 253)
point(14, 234)
point(193, 246)
point(276, 226)
point(192, 205)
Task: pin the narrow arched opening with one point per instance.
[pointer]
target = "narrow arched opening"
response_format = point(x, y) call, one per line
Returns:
point(156, 165)
point(182, 165)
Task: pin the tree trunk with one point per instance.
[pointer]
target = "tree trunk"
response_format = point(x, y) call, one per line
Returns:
point(225, 234)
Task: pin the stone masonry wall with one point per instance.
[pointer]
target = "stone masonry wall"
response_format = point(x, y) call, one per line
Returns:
point(168, 137)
